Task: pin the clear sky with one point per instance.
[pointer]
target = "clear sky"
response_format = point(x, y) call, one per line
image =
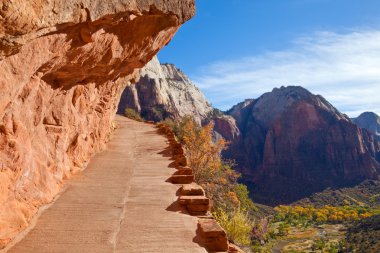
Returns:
point(237, 49)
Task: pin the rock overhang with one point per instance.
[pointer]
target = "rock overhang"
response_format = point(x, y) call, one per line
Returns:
point(63, 65)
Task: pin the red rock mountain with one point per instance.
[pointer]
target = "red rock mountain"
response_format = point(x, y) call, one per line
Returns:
point(293, 143)
point(63, 66)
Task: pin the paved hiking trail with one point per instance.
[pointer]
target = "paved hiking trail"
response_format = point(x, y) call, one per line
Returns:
point(118, 204)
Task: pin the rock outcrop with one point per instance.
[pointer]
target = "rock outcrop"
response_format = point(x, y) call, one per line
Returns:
point(369, 121)
point(225, 125)
point(293, 143)
point(164, 91)
point(63, 66)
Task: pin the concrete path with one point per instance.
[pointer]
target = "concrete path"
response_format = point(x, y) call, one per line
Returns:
point(118, 204)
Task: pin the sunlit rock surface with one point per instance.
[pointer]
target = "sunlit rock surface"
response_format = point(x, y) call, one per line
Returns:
point(293, 143)
point(63, 65)
point(164, 91)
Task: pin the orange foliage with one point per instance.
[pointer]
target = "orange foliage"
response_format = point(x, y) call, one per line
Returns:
point(203, 155)
point(210, 171)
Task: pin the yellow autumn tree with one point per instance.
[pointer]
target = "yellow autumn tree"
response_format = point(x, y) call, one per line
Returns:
point(230, 200)
point(202, 153)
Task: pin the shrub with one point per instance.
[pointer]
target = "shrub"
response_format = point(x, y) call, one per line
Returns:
point(231, 205)
point(237, 225)
point(322, 244)
point(214, 174)
point(177, 126)
point(203, 155)
point(242, 193)
point(319, 244)
point(132, 114)
point(260, 230)
point(155, 113)
point(283, 229)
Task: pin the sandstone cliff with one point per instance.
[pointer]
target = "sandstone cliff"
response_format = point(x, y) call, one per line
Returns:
point(63, 66)
point(164, 91)
point(293, 143)
point(226, 127)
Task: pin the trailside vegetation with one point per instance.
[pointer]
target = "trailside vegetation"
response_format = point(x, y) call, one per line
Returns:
point(132, 114)
point(237, 214)
point(231, 204)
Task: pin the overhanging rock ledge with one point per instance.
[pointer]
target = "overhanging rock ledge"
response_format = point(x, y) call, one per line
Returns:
point(63, 64)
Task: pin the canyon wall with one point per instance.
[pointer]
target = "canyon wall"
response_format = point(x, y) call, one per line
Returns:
point(293, 143)
point(63, 65)
point(164, 91)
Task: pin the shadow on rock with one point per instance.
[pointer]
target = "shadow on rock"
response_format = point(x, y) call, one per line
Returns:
point(177, 208)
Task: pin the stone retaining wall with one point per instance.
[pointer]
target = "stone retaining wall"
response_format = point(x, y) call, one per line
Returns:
point(193, 198)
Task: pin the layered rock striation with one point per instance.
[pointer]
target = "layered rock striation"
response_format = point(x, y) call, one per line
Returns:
point(293, 143)
point(63, 67)
point(164, 91)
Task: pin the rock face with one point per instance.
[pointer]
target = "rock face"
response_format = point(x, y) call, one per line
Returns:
point(63, 66)
point(225, 125)
point(369, 121)
point(293, 143)
point(164, 91)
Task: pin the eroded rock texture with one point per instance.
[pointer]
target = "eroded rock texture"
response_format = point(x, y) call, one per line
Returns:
point(63, 65)
point(164, 91)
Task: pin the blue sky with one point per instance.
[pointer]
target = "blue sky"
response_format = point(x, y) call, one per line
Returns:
point(237, 49)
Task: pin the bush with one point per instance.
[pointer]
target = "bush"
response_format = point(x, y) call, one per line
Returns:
point(237, 225)
point(156, 113)
point(231, 205)
point(132, 114)
point(204, 155)
point(261, 230)
point(283, 229)
point(322, 244)
point(319, 244)
point(177, 126)
point(242, 193)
